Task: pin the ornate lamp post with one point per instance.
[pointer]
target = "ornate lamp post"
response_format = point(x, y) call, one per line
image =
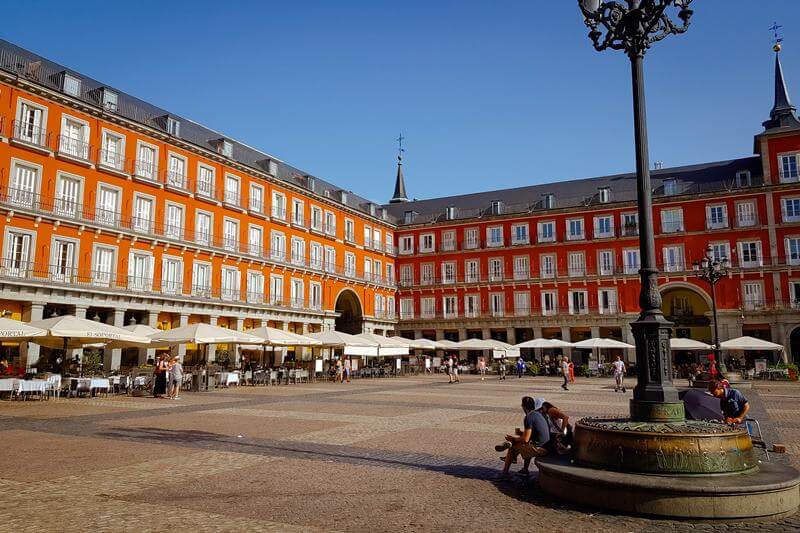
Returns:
point(632, 26)
point(711, 271)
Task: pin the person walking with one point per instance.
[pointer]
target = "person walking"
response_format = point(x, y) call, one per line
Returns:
point(503, 369)
point(619, 374)
point(449, 369)
point(339, 370)
point(455, 370)
point(565, 372)
point(175, 377)
point(571, 372)
point(482, 367)
point(520, 367)
point(160, 372)
point(348, 366)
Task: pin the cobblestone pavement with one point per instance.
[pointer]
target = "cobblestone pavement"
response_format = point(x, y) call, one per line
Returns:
point(411, 454)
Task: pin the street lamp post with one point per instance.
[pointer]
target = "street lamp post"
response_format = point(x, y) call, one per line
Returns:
point(711, 271)
point(633, 28)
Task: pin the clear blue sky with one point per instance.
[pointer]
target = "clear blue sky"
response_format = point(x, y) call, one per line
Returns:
point(488, 94)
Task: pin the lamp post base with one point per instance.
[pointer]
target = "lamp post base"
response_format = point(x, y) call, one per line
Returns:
point(657, 411)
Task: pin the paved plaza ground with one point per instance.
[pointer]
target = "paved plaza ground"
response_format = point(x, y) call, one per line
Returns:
point(401, 454)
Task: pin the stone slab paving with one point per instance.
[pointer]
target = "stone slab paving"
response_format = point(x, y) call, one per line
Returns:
point(407, 454)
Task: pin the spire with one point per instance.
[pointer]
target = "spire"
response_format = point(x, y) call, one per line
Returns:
point(783, 112)
point(399, 184)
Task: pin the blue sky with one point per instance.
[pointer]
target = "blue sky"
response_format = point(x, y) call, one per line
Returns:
point(488, 94)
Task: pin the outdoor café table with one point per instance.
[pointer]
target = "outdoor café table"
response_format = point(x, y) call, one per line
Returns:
point(8, 385)
point(96, 384)
point(32, 385)
point(140, 381)
point(228, 378)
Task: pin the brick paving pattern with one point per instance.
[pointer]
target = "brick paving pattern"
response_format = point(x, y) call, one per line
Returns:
point(409, 454)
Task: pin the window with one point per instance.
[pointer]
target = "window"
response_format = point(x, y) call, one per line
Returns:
point(389, 273)
point(720, 251)
point(256, 199)
point(330, 224)
point(671, 220)
point(548, 201)
point(71, 85)
point(176, 172)
point(171, 275)
point(522, 303)
point(316, 218)
point(549, 303)
point(31, 123)
point(74, 138)
point(146, 162)
point(427, 307)
point(406, 308)
point(496, 269)
point(377, 241)
point(471, 240)
point(449, 272)
point(277, 243)
point(205, 181)
point(788, 167)
point(173, 126)
point(255, 240)
point(605, 261)
point(315, 296)
point(576, 264)
point(522, 267)
point(103, 265)
point(330, 260)
point(350, 264)
point(494, 236)
point(426, 274)
point(604, 195)
point(630, 224)
point(794, 294)
point(24, 186)
point(519, 234)
point(173, 221)
point(673, 259)
point(202, 228)
point(670, 187)
point(276, 289)
point(298, 251)
point(427, 242)
point(68, 196)
point(472, 305)
point(448, 240)
point(377, 269)
point(112, 153)
point(406, 275)
point(575, 229)
point(750, 254)
point(298, 212)
point(547, 266)
point(472, 271)
point(18, 256)
point(746, 214)
point(631, 263)
point(389, 242)
point(63, 260)
point(108, 200)
point(547, 231)
point(450, 306)
point(109, 99)
point(753, 295)
point(278, 205)
point(791, 209)
point(743, 179)
point(315, 258)
point(497, 303)
point(201, 279)
point(232, 191)
point(298, 292)
point(380, 305)
point(140, 271)
point(607, 301)
point(255, 286)
point(230, 234)
point(577, 302)
point(793, 251)
point(349, 230)
point(604, 226)
point(716, 216)
point(143, 214)
point(406, 244)
point(230, 285)
point(390, 306)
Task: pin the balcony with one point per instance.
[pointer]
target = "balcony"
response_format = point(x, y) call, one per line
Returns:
point(74, 149)
point(576, 271)
point(146, 171)
point(278, 213)
point(205, 190)
point(177, 181)
point(746, 221)
point(721, 223)
point(30, 135)
point(789, 175)
point(546, 237)
point(113, 161)
point(576, 236)
point(669, 226)
point(630, 230)
point(232, 199)
point(471, 244)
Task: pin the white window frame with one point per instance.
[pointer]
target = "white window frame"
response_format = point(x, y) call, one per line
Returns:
point(542, 234)
point(471, 238)
point(427, 242)
point(601, 233)
point(490, 232)
point(515, 239)
point(716, 224)
point(672, 226)
point(575, 236)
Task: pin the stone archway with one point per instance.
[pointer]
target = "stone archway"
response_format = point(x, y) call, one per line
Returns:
point(689, 308)
point(794, 345)
point(350, 319)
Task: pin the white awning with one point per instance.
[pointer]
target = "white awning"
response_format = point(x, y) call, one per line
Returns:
point(750, 343)
point(601, 343)
point(14, 330)
point(279, 337)
point(204, 334)
point(387, 346)
point(69, 331)
point(350, 344)
point(688, 344)
point(544, 343)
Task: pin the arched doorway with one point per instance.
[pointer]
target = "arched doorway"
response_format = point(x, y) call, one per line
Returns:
point(794, 345)
point(689, 311)
point(350, 319)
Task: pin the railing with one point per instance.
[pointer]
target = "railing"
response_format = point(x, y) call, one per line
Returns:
point(278, 213)
point(30, 133)
point(787, 176)
point(671, 227)
point(630, 230)
point(256, 205)
point(541, 238)
point(146, 171)
point(73, 148)
point(176, 180)
point(206, 189)
point(232, 198)
point(514, 312)
point(717, 224)
point(746, 221)
point(113, 160)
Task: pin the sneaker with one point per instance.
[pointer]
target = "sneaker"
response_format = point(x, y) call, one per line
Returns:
point(501, 447)
point(177, 398)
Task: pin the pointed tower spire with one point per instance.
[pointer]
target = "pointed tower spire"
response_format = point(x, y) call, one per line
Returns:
point(399, 184)
point(783, 112)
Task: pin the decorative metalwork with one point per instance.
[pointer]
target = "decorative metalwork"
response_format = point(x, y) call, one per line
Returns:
point(709, 427)
point(712, 271)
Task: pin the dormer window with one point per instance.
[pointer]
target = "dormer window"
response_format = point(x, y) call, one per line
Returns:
point(670, 187)
point(173, 126)
point(310, 183)
point(548, 201)
point(226, 148)
point(109, 99)
point(497, 207)
point(408, 217)
point(372, 209)
point(604, 195)
point(450, 213)
point(743, 179)
point(71, 85)
point(343, 196)
point(326, 193)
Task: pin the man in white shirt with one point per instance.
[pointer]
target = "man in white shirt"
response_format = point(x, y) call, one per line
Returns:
point(619, 374)
point(565, 372)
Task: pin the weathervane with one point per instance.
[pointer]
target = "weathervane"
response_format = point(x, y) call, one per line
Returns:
point(400, 148)
point(776, 36)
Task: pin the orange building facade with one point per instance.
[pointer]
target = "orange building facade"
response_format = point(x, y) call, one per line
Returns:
point(116, 210)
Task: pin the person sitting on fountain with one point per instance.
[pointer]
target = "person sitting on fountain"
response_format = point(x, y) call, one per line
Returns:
point(733, 403)
point(530, 442)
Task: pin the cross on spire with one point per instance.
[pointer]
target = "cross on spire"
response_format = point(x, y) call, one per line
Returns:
point(399, 184)
point(776, 36)
point(400, 148)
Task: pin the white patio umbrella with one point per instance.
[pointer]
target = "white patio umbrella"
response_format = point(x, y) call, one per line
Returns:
point(599, 343)
point(15, 330)
point(483, 344)
point(137, 329)
point(421, 343)
point(203, 335)
point(688, 344)
point(544, 343)
point(69, 331)
point(278, 337)
point(387, 346)
point(750, 343)
point(350, 344)
point(445, 344)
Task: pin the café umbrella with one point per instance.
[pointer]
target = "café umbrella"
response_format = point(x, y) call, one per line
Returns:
point(203, 335)
point(350, 344)
point(137, 329)
point(278, 337)
point(688, 344)
point(69, 331)
point(13, 330)
point(387, 346)
point(600, 343)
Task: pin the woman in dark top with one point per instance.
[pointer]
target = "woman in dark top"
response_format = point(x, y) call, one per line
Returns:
point(560, 430)
point(160, 370)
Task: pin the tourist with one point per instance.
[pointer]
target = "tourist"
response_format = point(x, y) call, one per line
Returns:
point(558, 423)
point(528, 443)
point(348, 366)
point(520, 367)
point(565, 372)
point(160, 373)
point(339, 370)
point(455, 369)
point(449, 368)
point(571, 372)
point(732, 403)
point(176, 377)
point(482, 368)
point(503, 369)
point(619, 374)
